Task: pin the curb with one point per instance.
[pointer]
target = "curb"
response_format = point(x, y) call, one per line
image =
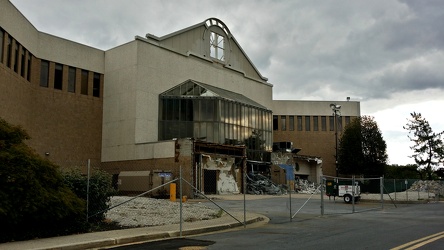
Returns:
point(124, 236)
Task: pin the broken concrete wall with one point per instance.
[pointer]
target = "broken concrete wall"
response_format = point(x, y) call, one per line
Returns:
point(277, 173)
point(305, 167)
point(282, 158)
point(227, 172)
point(309, 167)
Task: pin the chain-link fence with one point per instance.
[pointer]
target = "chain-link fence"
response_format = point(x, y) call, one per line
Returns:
point(402, 190)
point(350, 195)
point(358, 194)
point(146, 198)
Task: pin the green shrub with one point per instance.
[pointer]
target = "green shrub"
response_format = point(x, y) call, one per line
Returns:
point(100, 191)
point(34, 201)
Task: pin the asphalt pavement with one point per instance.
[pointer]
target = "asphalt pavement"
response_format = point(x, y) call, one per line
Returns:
point(125, 236)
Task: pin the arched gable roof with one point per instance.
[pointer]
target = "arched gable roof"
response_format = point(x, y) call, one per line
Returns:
point(199, 33)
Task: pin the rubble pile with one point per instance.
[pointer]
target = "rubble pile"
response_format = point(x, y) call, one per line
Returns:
point(428, 186)
point(306, 187)
point(259, 184)
point(145, 212)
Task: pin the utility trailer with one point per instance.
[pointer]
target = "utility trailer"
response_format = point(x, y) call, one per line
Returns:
point(343, 189)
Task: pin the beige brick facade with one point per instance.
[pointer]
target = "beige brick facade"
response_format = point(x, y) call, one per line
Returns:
point(64, 127)
point(317, 142)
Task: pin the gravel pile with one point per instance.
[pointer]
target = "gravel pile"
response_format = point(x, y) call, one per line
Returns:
point(142, 212)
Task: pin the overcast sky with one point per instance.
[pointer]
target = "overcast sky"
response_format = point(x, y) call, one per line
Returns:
point(387, 54)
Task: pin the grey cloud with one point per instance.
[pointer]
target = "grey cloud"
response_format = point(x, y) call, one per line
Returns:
point(318, 49)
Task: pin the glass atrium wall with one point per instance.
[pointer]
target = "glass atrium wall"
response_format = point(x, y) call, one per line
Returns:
point(212, 118)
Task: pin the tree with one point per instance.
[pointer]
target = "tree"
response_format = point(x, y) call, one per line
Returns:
point(428, 148)
point(255, 146)
point(34, 201)
point(440, 173)
point(350, 156)
point(362, 149)
point(100, 191)
point(409, 171)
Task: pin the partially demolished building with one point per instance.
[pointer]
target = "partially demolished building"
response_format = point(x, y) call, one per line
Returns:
point(190, 100)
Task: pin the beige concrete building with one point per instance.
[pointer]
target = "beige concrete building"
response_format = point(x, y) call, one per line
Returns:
point(149, 66)
point(191, 99)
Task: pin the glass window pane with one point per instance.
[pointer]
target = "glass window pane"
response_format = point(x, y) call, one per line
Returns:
point(291, 122)
point(96, 85)
point(189, 110)
point(9, 52)
point(217, 46)
point(221, 133)
point(249, 117)
point(299, 123)
point(2, 34)
point(196, 129)
point(216, 138)
point(58, 76)
point(235, 132)
point(84, 83)
point(23, 62)
point(44, 73)
point(307, 123)
point(207, 110)
point(324, 123)
point(28, 76)
point(72, 79)
point(169, 109)
point(235, 115)
point(283, 123)
point(209, 133)
point(315, 123)
point(347, 120)
point(339, 123)
point(332, 123)
point(254, 118)
point(260, 119)
point(16, 56)
point(275, 122)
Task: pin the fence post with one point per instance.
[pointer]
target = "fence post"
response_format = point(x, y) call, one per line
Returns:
point(289, 191)
point(353, 194)
point(322, 180)
point(381, 186)
point(245, 191)
point(406, 191)
point(87, 189)
point(428, 192)
point(394, 187)
point(180, 199)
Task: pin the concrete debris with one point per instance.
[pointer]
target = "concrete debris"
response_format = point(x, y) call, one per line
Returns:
point(259, 184)
point(428, 186)
point(306, 187)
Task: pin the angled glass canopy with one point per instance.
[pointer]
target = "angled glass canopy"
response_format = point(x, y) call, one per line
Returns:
point(193, 88)
point(197, 110)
